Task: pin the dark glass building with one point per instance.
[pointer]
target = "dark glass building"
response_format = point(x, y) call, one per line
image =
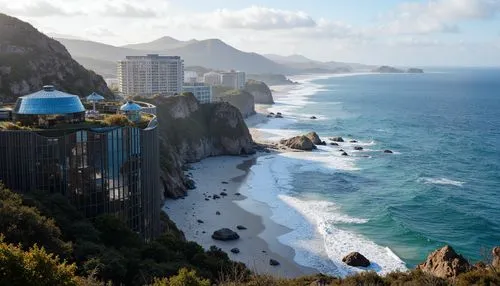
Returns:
point(102, 170)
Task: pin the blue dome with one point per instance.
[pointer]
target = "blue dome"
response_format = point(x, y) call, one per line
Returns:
point(130, 106)
point(49, 101)
point(94, 97)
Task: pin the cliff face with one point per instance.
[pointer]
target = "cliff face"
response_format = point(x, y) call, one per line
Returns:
point(30, 59)
point(190, 132)
point(260, 92)
point(240, 99)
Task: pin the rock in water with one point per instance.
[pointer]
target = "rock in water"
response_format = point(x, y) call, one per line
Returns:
point(235, 250)
point(345, 154)
point(356, 259)
point(337, 139)
point(445, 263)
point(388, 151)
point(313, 117)
point(200, 221)
point(274, 262)
point(313, 136)
point(225, 234)
point(496, 257)
point(358, 148)
point(299, 143)
point(334, 144)
point(240, 227)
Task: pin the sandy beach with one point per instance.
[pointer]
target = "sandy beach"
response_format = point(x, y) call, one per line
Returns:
point(258, 243)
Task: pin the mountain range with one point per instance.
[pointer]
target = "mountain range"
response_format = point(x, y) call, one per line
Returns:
point(211, 53)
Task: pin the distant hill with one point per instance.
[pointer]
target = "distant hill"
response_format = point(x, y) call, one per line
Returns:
point(161, 44)
point(30, 59)
point(288, 59)
point(213, 53)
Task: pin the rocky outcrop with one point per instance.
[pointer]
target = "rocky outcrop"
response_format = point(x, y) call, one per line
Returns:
point(337, 139)
point(260, 92)
point(314, 137)
point(190, 132)
point(445, 263)
point(356, 259)
point(387, 69)
point(240, 99)
point(299, 143)
point(30, 59)
point(225, 234)
point(496, 257)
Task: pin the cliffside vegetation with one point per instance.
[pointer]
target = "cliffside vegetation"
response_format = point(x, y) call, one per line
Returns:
point(46, 241)
point(29, 60)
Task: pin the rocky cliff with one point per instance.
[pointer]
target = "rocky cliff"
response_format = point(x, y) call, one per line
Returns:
point(260, 92)
point(30, 59)
point(190, 132)
point(240, 99)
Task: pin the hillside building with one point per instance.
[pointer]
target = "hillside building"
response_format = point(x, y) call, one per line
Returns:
point(150, 75)
point(100, 169)
point(201, 91)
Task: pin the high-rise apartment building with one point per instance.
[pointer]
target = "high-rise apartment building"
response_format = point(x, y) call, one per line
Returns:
point(233, 79)
point(150, 75)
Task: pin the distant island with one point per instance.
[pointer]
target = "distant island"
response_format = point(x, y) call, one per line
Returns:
point(389, 69)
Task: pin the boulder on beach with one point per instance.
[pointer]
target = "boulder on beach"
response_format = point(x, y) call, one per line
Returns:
point(217, 212)
point(269, 116)
point(388, 151)
point(358, 148)
point(345, 154)
point(337, 139)
point(215, 197)
point(356, 259)
point(274, 262)
point(299, 143)
point(225, 234)
point(445, 263)
point(235, 250)
point(241, 227)
point(223, 194)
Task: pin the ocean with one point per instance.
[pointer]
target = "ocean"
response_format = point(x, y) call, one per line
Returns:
point(440, 186)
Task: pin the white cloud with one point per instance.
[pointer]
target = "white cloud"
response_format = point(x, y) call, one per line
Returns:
point(37, 9)
point(128, 10)
point(257, 18)
point(437, 16)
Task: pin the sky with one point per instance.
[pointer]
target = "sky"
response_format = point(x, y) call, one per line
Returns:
point(397, 32)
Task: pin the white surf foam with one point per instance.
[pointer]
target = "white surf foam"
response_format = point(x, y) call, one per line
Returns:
point(316, 239)
point(442, 181)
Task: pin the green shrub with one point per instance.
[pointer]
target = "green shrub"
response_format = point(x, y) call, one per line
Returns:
point(118, 120)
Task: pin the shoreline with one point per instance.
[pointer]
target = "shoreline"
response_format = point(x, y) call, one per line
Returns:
point(258, 243)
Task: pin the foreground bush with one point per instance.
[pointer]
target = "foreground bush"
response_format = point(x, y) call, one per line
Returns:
point(33, 267)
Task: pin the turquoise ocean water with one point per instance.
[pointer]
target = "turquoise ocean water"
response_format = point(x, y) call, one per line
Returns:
point(441, 186)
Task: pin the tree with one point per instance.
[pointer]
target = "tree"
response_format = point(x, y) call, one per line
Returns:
point(33, 267)
point(25, 225)
point(184, 278)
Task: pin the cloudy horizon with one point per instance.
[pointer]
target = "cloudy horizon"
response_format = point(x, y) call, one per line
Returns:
point(396, 32)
